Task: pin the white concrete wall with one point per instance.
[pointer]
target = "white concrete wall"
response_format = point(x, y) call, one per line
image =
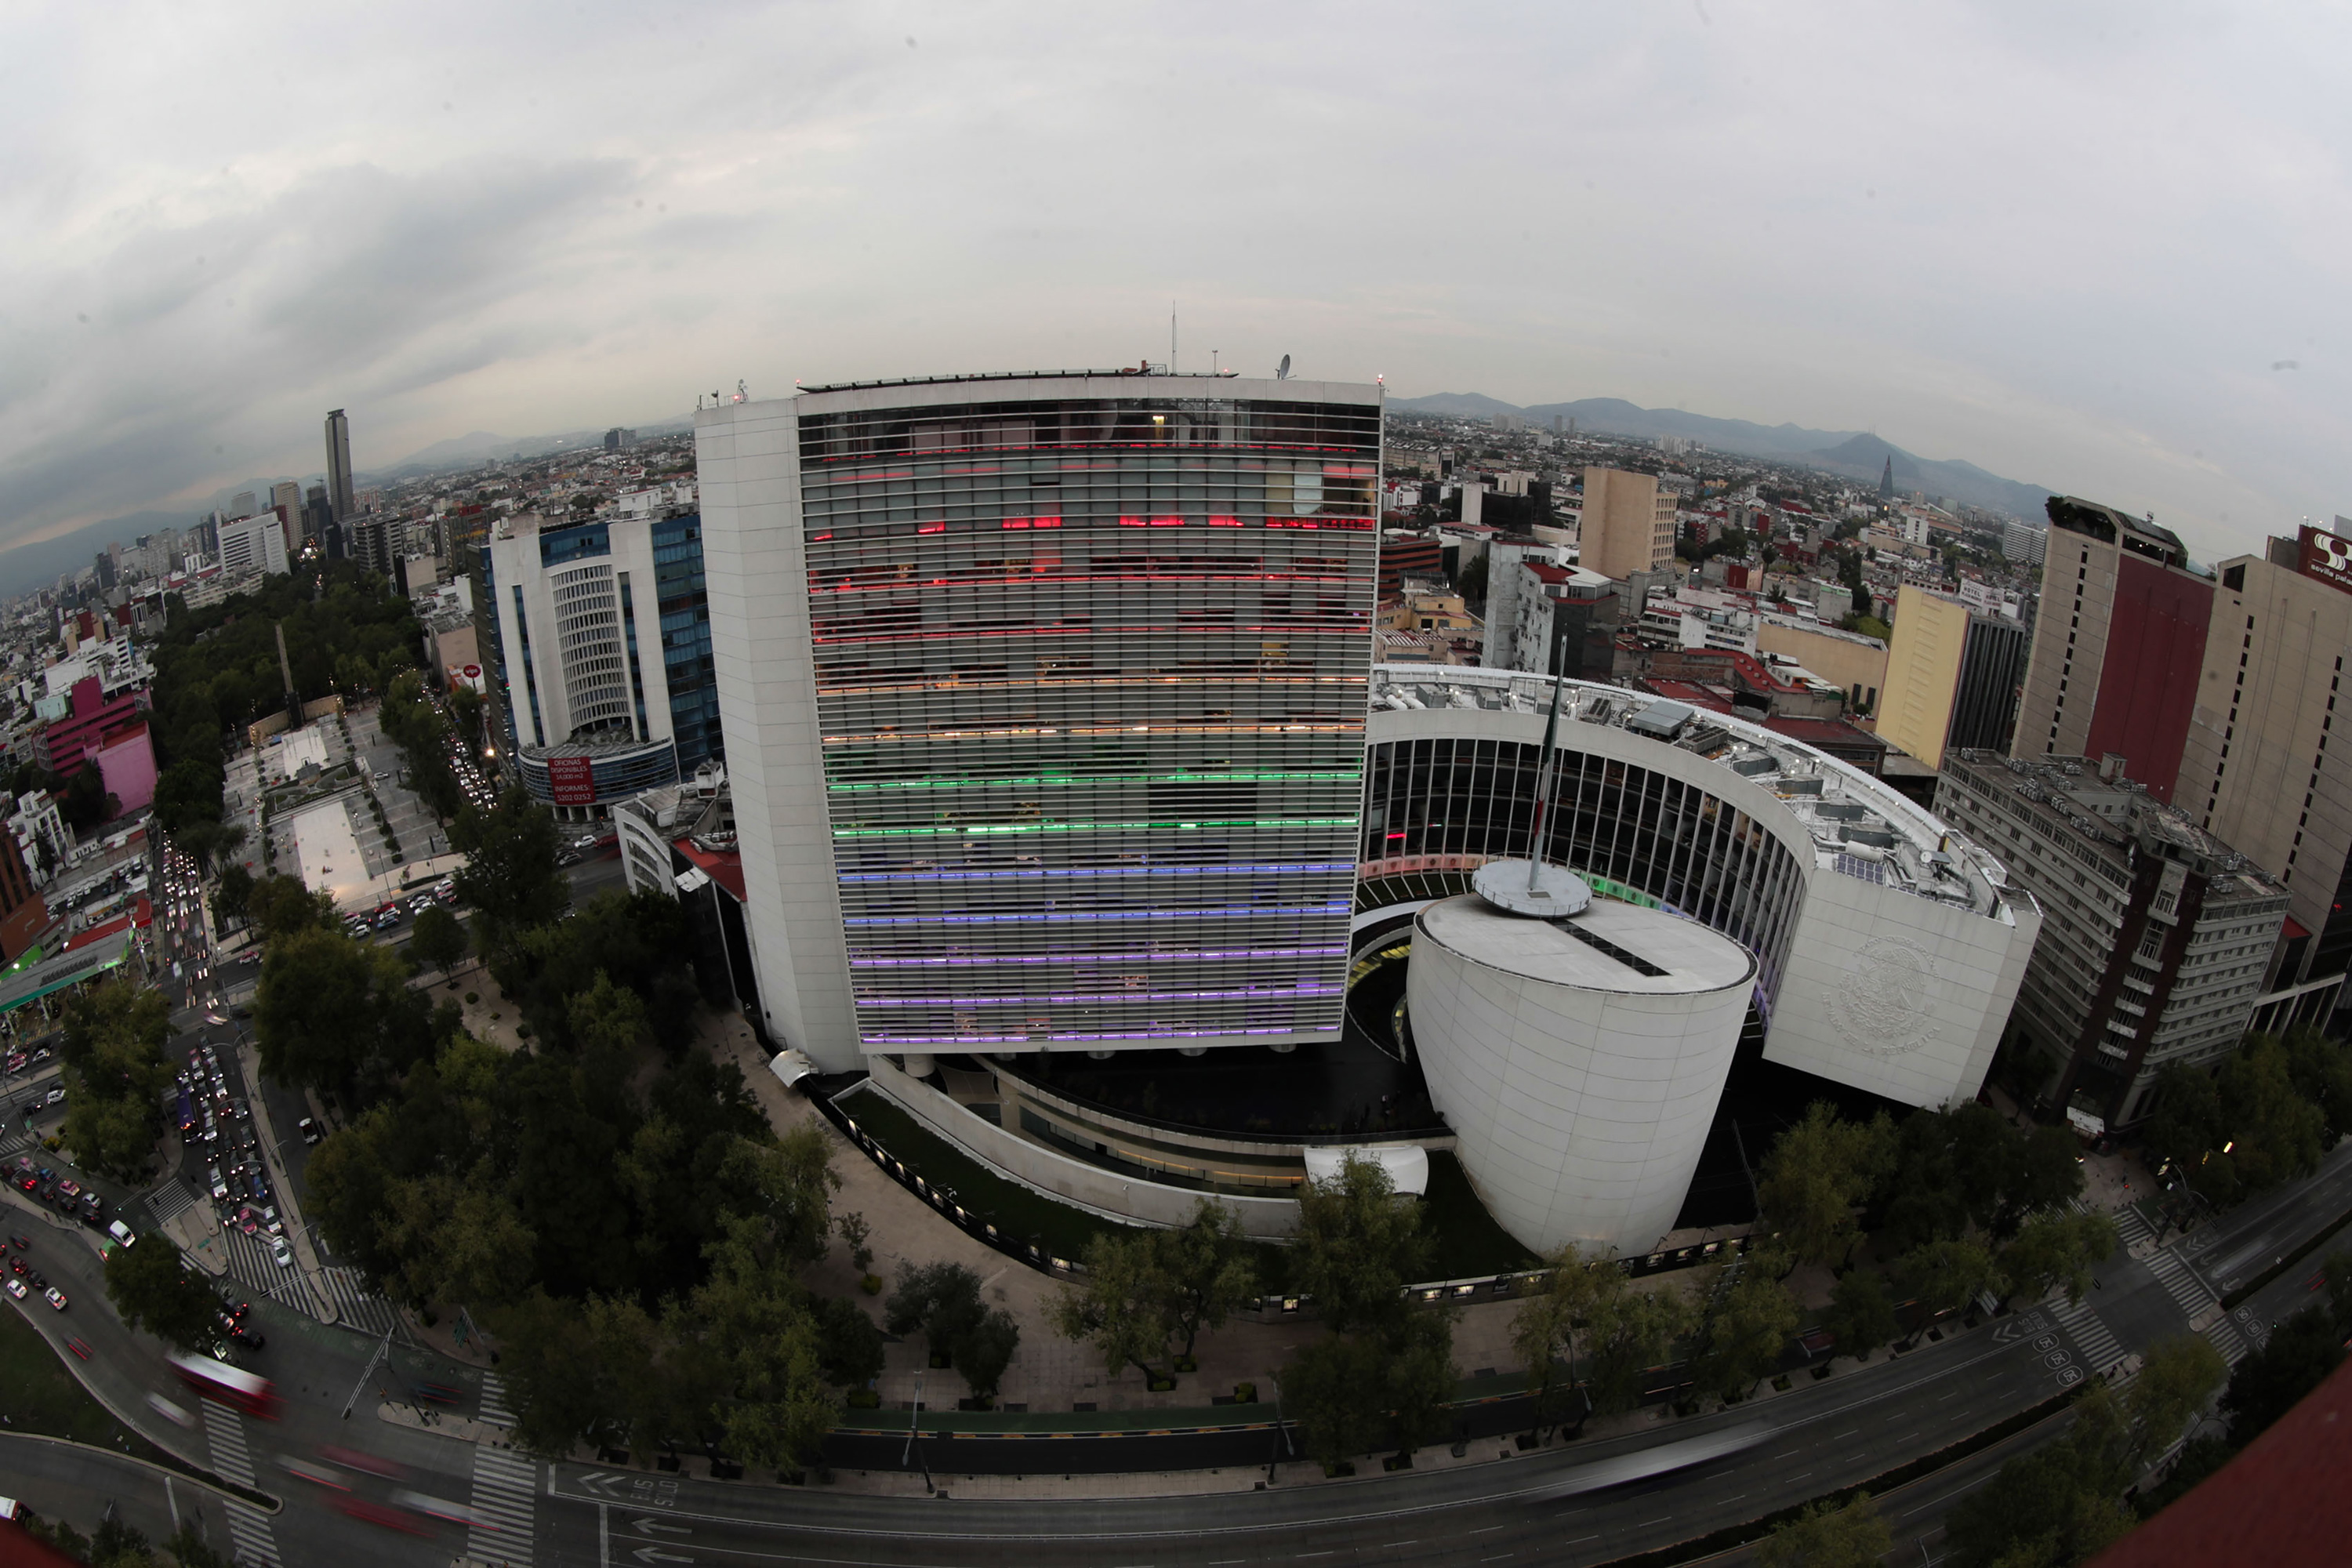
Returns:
point(1579, 1114)
point(748, 459)
point(1125, 1199)
point(1898, 995)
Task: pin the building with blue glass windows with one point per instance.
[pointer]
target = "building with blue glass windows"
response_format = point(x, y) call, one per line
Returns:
point(602, 650)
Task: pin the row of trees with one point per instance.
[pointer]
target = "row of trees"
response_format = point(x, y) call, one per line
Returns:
point(412, 720)
point(2275, 1107)
point(116, 1075)
point(1959, 1202)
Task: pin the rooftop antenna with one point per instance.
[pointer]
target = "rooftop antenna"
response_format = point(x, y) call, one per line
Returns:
point(1171, 337)
point(1282, 371)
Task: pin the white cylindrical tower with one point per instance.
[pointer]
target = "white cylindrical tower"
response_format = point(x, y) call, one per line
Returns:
point(1578, 1060)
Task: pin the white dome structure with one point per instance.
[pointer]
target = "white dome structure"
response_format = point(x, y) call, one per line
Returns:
point(1578, 1060)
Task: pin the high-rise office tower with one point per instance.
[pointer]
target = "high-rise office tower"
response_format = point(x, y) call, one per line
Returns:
point(1952, 676)
point(600, 642)
point(1629, 523)
point(2261, 767)
point(1045, 701)
point(338, 465)
point(2117, 645)
point(286, 499)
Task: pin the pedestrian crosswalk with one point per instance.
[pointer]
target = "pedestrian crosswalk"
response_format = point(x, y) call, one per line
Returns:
point(494, 1401)
point(346, 1290)
point(505, 1489)
point(256, 1270)
point(2101, 1350)
point(175, 1199)
point(249, 1527)
point(2194, 1297)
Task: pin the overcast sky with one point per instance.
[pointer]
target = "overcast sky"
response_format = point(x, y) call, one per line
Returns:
point(2075, 245)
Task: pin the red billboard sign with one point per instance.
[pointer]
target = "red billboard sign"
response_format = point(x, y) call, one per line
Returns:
point(2325, 556)
point(572, 781)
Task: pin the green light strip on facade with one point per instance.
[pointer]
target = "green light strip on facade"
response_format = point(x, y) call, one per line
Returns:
point(1092, 827)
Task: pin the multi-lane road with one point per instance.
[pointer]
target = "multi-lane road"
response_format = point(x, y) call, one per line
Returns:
point(1581, 1503)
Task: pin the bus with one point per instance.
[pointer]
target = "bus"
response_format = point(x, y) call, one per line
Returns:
point(226, 1385)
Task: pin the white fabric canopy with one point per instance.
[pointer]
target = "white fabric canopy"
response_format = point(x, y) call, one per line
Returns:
point(1407, 1164)
point(791, 1066)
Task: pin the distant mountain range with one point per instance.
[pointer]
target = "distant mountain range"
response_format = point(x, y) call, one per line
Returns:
point(1850, 453)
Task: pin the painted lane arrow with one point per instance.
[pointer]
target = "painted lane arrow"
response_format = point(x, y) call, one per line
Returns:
point(600, 1483)
point(651, 1554)
point(648, 1527)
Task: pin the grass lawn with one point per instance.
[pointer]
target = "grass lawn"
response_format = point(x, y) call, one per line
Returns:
point(39, 1394)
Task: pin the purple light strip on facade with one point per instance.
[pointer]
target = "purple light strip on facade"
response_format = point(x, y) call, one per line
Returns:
point(1240, 911)
point(1096, 957)
point(1026, 998)
point(1028, 1040)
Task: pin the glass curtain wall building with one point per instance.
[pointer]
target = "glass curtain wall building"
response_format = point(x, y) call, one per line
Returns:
point(1084, 657)
point(601, 643)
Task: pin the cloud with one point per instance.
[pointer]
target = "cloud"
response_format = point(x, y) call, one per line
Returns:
point(2067, 245)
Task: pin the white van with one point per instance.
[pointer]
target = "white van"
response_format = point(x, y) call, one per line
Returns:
point(124, 1234)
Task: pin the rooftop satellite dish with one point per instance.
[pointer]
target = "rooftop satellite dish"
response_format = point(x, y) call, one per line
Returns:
point(1282, 371)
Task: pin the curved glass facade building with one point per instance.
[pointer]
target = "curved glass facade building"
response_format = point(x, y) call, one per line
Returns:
point(1045, 698)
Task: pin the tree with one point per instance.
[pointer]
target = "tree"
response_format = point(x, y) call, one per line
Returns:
point(439, 938)
point(942, 1300)
point(278, 907)
point(115, 1073)
point(1544, 1329)
point(1628, 1335)
point(1119, 1307)
point(2054, 1505)
point(1358, 1247)
point(1351, 1392)
point(510, 876)
point(2177, 1375)
point(1947, 1275)
point(1470, 584)
point(1205, 1270)
point(1749, 1332)
point(849, 1346)
point(2321, 1071)
point(1860, 1318)
point(2301, 1352)
point(231, 894)
point(2056, 1248)
point(1827, 1536)
point(150, 1290)
point(1817, 1173)
point(320, 1008)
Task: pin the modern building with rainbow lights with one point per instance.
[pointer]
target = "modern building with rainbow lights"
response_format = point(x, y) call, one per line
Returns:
point(1072, 813)
point(1047, 694)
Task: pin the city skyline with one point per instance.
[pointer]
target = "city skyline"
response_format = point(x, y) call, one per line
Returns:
point(1841, 222)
